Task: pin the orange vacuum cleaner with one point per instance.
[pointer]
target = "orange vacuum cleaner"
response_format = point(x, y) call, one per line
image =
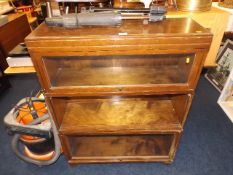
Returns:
point(32, 128)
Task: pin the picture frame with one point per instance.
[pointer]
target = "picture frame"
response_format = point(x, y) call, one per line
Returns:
point(217, 76)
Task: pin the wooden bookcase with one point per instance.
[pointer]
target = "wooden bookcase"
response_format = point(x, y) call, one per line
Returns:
point(120, 94)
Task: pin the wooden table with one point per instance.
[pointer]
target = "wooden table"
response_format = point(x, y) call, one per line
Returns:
point(12, 33)
point(216, 20)
point(13, 36)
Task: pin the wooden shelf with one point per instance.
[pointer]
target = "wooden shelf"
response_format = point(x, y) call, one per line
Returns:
point(116, 115)
point(86, 149)
point(19, 70)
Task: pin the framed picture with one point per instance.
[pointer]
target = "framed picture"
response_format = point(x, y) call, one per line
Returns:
point(218, 75)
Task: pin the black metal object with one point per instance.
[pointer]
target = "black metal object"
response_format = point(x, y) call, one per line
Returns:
point(151, 10)
point(106, 16)
point(74, 20)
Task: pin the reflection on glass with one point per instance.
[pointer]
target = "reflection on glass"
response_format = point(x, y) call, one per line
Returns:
point(118, 70)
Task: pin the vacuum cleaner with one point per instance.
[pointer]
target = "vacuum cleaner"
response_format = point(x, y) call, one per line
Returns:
point(35, 137)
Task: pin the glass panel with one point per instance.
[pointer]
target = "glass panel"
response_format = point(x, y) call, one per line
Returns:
point(133, 145)
point(118, 70)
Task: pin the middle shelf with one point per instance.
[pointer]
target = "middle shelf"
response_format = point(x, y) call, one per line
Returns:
point(120, 115)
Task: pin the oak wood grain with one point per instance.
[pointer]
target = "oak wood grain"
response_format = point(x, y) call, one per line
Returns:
point(168, 28)
point(120, 115)
point(120, 94)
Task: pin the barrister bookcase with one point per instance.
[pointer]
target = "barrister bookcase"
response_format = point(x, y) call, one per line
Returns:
point(120, 94)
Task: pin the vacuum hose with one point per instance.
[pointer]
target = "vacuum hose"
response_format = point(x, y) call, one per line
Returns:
point(16, 138)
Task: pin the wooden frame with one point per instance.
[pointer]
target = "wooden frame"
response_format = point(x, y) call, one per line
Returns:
point(225, 100)
point(218, 76)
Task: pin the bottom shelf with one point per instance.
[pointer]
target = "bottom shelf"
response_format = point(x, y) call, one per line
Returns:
point(123, 148)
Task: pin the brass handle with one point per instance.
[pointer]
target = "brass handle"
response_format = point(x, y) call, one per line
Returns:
point(187, 60)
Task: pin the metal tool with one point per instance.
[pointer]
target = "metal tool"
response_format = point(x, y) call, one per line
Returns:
point(153, 14)
point(73, 20)
point(106, 16)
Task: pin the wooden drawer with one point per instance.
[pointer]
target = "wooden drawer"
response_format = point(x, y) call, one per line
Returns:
point(120, 148)
point(120, 74)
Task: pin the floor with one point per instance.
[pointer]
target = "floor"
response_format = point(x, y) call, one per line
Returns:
point(206, 147)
